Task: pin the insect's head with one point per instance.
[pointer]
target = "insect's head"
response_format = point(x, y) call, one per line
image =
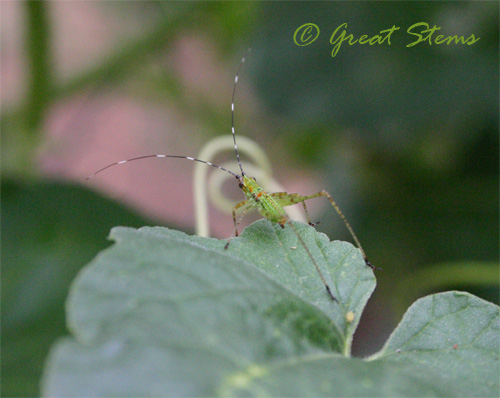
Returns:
point(247, 184)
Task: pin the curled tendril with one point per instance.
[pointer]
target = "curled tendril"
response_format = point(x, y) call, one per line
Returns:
point(259, 167)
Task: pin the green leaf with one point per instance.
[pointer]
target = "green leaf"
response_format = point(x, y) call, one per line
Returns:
point(445, 346)
point(161, 313)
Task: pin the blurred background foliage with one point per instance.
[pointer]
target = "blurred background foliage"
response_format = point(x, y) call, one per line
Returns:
point(406, 140)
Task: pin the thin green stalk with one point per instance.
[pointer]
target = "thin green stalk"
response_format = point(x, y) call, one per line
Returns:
point(40, 63)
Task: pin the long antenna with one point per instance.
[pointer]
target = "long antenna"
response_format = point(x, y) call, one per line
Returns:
point(163, 156)
point(232, 113)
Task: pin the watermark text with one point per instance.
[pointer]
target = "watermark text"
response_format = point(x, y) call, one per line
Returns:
point(420, 32)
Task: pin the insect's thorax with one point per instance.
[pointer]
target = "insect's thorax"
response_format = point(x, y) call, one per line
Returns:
point(262, 201)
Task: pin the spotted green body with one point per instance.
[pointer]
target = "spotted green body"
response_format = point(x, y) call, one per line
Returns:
point(262, 201)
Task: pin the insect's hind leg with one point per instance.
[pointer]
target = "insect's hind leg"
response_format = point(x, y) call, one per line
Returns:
point(327, 287)
point(290, 199)
point(237, 222)
point(346, 223)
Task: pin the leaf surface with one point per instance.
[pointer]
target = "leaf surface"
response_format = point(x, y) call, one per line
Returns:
point(162, 313)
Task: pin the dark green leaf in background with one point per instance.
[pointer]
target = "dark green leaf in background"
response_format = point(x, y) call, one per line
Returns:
point(49, 231)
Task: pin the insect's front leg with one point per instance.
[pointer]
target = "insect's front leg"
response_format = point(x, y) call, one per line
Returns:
point(236, 207)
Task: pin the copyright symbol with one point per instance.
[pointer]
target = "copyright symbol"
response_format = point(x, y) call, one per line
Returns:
point(306, 34)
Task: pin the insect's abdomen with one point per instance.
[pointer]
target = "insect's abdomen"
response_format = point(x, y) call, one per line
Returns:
point(262, 201)
point(269, 209)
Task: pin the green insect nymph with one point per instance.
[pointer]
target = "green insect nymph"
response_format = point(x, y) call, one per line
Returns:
point(269, 205)
point(262, 201)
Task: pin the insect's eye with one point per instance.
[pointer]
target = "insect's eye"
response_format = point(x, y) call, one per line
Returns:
point(253, 178)
point(241, 185)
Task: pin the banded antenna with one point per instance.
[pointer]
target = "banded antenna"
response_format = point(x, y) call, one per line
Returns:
point(232, 111)
point(163, 156)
